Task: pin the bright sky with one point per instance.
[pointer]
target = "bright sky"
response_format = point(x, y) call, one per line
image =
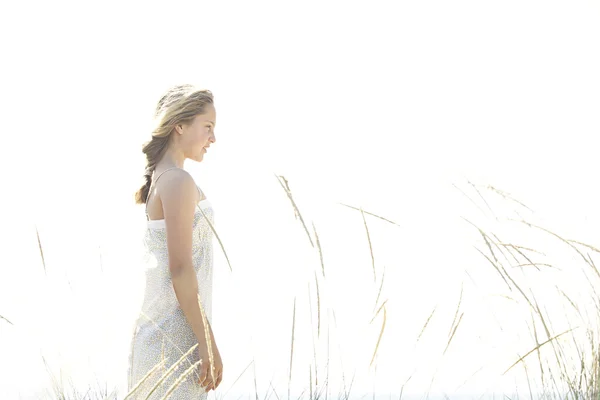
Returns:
point(380, 105)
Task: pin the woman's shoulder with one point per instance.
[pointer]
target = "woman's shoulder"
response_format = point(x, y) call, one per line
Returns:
point(174, 175)
point(176, 182)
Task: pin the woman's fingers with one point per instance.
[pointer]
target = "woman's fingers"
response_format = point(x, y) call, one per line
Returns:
point(206, 382)
point(203, 373)
point(219, 379)
point(206, 379)
point(202, 377)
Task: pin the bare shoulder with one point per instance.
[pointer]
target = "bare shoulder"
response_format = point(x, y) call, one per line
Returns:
point(176, 189)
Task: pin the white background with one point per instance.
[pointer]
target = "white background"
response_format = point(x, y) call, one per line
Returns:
point(380, 105)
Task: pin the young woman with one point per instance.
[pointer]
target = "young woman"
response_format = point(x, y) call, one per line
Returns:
point(173, 328)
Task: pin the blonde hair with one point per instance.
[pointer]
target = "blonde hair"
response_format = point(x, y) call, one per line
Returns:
point(180, 104)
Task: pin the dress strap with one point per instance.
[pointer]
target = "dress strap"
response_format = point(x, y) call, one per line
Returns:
point(150, 188)
point(152, 184)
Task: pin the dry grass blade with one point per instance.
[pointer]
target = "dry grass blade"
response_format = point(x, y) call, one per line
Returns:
point(286, 186)
point(212, 228)
point(180, 379)
point(536, 265)
point(482, 198)
point(519, 289)
point(302, 394)
point(370, 244)
point(470, 377)
point(4, 318)
point(536, 348)
point(568, 242)
point(585, 245)
point(502, 249)
point(292, 347)
point(519, 248)
point(100, 259)
point(525, 257)
point(164, 333)
point(318, 394)
point(366, 212)
point(457, 309)
point(470, 199)
point(41, 250)
point(171, 369)
point(183, 358)
point(57, 386)
point(582, 363)
point(426, 323)
point(207, 335)
point(377, 313)
point(504, 274)
point(570, 301)
point(495, 263)
point(238, 378)
point(380, 287)
point(495, 267)
point(296, 210)
point(539, 354)
point(485, 238)
point(595, 375)
point(380, 334)
point(273, 389)
point(328, 353)
point(310, 381)
point(145, 378)
point(404, 384)
point(320, 249)
point(487, 243)
point(312, 326)
point(453, 333)
point(557, 351)
point(508, 196)
point(347, 393)
point(318, 307)
point(342, 367)
point(255, 384)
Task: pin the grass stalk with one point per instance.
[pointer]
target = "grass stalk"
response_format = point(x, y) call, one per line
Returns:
point(150, 373)
point(370, 244)
point(320, 250)
point(212, 228)
point(37, 234)
point(380, 334)
point(180, 379)
point(292, 348)
point(369, 213)
point(284, 184)
point(172, 368)
point(536, 348)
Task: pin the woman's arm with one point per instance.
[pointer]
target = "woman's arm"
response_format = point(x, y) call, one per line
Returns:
point(179, 197)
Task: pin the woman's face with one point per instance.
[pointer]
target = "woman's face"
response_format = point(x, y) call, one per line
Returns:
point(199, 134)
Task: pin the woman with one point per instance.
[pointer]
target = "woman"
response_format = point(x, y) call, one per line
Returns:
point(173, 347)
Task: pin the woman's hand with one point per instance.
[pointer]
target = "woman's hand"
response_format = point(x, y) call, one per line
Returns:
point(206, 378)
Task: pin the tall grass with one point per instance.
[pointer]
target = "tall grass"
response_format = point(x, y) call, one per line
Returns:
point(561, 375)
point(562, 362)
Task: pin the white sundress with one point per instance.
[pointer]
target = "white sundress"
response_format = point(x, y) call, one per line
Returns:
point(161, 331)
